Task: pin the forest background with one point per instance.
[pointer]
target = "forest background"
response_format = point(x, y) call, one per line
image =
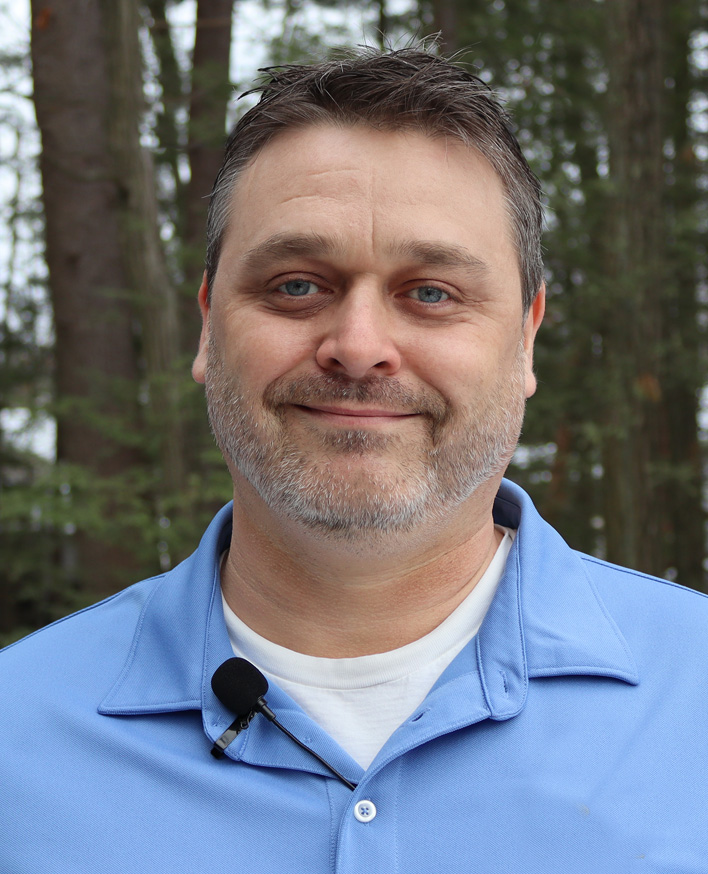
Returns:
point(112, 118)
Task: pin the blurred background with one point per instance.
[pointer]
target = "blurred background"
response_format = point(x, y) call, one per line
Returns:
point(112, 118)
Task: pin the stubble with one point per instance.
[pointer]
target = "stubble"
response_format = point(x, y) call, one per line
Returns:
point(361, 483)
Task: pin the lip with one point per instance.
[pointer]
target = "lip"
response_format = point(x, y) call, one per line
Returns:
point(352, 415)
point(372, 412)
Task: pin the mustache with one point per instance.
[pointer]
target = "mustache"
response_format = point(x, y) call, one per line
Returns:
point(330, 388)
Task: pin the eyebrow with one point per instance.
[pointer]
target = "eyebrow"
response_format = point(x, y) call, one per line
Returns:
point(425, 252)
point(440, 255)
point(284, 245)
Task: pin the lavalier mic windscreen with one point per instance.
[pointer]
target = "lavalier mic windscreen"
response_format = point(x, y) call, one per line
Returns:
point(238, 685)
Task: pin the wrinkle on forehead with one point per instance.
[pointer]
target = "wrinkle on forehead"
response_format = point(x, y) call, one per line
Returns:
point(305, 197)
point(315, 245)
point(377, 190)
point(307, 173)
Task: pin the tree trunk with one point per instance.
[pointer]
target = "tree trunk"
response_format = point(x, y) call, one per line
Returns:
point(636, 443)
point(141, 248)
point(173, 102)
point(95, 363)
point(684, 337)
point(446, 23)
point(383, 25)
point(107, 277)
point(207, 133)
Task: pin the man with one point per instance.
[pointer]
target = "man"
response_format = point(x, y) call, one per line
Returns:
point(479, 697)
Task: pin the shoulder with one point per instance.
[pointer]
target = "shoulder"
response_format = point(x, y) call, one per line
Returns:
point(662, 621)
point(89, 643)
point(637, 590)
point(103, 634)
point(625, 593)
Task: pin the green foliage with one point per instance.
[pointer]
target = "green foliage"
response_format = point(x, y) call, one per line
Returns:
point(49, 506)
point(551, 63)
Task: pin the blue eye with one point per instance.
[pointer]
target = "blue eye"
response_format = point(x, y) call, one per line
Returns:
point(429, 294)
point(298, 288)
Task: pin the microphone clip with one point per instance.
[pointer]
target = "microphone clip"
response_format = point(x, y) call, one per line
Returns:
point(239, 724)
point(239, 685)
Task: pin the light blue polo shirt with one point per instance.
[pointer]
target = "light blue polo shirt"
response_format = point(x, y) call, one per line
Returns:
point(570, 735)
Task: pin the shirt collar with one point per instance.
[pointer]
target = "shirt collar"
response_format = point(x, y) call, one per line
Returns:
point(180, 637)
point(547, 619)
point(551, 624)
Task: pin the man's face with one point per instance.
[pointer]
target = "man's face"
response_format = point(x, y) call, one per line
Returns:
point(364, 353)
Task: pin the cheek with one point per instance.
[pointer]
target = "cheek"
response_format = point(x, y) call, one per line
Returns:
point(464, 367)
point(452, 364)
point(259, 351)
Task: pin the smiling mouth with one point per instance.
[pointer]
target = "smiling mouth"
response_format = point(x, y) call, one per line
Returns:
point(353, 416)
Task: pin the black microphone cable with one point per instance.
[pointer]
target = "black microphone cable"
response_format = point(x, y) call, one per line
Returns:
point(240, 687)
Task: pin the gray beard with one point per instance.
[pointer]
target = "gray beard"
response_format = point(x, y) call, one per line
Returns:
point(463, 450)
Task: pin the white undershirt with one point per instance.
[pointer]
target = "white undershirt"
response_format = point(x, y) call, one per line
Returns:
point(361, 701)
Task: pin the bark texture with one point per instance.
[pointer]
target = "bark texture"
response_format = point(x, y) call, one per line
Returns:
point(652, 458)
point(141, 248)
point(95, 361)
point(114, 308)
point(207, 122)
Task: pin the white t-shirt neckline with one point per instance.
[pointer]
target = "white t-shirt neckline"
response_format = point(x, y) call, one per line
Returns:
point(361, 701)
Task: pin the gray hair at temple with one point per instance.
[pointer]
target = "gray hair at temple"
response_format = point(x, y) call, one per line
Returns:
point(408, 89)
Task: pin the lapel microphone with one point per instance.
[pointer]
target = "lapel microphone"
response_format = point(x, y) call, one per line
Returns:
point(241, 687)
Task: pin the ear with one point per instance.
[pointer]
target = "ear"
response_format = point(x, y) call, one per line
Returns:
point(199, 366)
point(533, 321)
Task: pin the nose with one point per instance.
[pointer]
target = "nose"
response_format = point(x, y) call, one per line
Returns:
point(358, 340)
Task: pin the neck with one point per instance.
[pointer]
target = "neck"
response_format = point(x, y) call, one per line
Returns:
point(337, 598)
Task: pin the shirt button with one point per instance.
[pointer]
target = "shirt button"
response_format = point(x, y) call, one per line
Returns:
point(365, 811)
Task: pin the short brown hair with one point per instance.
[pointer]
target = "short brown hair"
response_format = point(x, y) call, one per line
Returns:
point(408, 89)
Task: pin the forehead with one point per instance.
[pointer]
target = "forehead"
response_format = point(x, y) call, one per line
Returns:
point(373, 187)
